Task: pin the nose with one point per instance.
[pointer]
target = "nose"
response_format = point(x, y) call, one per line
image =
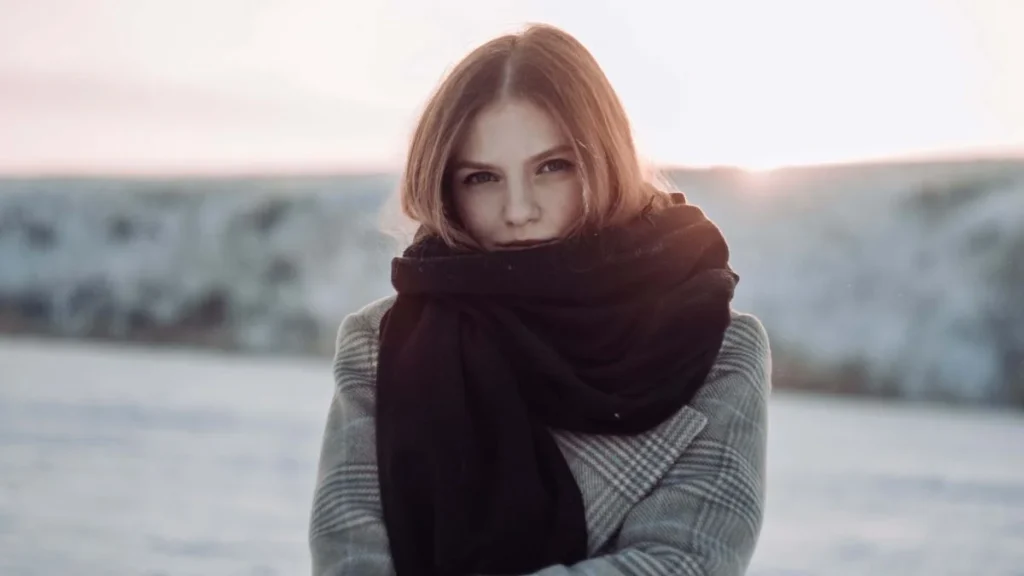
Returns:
point(521, 206)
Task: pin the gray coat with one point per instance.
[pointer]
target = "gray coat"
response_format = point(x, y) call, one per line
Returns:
point(686, 498)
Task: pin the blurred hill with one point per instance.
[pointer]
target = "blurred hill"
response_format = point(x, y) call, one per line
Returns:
point(901, 279)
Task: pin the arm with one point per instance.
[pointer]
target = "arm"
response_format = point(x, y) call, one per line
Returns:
point(705, 516)
point(346, 532)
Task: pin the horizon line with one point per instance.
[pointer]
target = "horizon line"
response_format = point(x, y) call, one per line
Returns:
point(284, 170)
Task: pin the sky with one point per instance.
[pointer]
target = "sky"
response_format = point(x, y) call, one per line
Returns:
point(295, 85)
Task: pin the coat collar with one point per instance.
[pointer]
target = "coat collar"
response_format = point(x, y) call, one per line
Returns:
point(615, 472)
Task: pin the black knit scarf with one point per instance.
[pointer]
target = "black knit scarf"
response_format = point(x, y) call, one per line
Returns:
point(482, 353)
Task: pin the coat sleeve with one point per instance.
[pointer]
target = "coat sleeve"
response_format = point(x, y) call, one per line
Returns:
point(705, 516)
point(346, 528)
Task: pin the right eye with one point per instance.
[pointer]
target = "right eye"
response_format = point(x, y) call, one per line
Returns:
point(479, 178)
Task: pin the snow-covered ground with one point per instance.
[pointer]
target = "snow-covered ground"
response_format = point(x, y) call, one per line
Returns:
point(129, 461)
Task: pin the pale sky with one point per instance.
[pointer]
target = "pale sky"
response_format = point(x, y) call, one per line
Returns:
point(227, 85)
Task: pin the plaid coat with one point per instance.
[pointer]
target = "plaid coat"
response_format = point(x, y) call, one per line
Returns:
point(686, 498)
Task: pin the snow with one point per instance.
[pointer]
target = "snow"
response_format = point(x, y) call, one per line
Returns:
point(130, 461)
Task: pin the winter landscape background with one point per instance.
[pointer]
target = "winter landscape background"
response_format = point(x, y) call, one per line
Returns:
point(165, 345)
point(888, 279)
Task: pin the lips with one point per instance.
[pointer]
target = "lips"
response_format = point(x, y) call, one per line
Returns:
point(521, 244)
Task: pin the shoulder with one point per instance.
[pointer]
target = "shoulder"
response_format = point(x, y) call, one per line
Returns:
point(357, 343)
point(740, 379)
point(363, 322)
point(746, 349)
point(745, 338)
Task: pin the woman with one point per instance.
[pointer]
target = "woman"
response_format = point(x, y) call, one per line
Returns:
point(560, 386)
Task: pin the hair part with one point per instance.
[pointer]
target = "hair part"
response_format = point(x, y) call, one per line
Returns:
point(549, 68)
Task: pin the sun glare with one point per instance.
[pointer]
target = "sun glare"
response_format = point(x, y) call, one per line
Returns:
point(763, 167)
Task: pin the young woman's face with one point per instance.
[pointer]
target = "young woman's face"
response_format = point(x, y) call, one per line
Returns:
point(515, 181)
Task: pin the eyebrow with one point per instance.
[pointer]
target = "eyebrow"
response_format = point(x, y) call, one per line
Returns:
point(560, 149)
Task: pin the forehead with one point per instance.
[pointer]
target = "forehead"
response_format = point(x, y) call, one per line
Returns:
point(510, 131)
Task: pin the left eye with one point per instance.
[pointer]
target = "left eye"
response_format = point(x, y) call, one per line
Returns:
point(555, 165)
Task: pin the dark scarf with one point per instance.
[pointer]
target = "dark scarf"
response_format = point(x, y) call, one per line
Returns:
point(602, 333)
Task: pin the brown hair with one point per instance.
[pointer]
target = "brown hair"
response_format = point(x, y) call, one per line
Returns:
point(553, 70)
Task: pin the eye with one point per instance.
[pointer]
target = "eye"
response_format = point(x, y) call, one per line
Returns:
point(555, 165)
point(479, 178)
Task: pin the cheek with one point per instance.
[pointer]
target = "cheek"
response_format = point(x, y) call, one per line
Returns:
point(564, 200)
point(474, 210)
